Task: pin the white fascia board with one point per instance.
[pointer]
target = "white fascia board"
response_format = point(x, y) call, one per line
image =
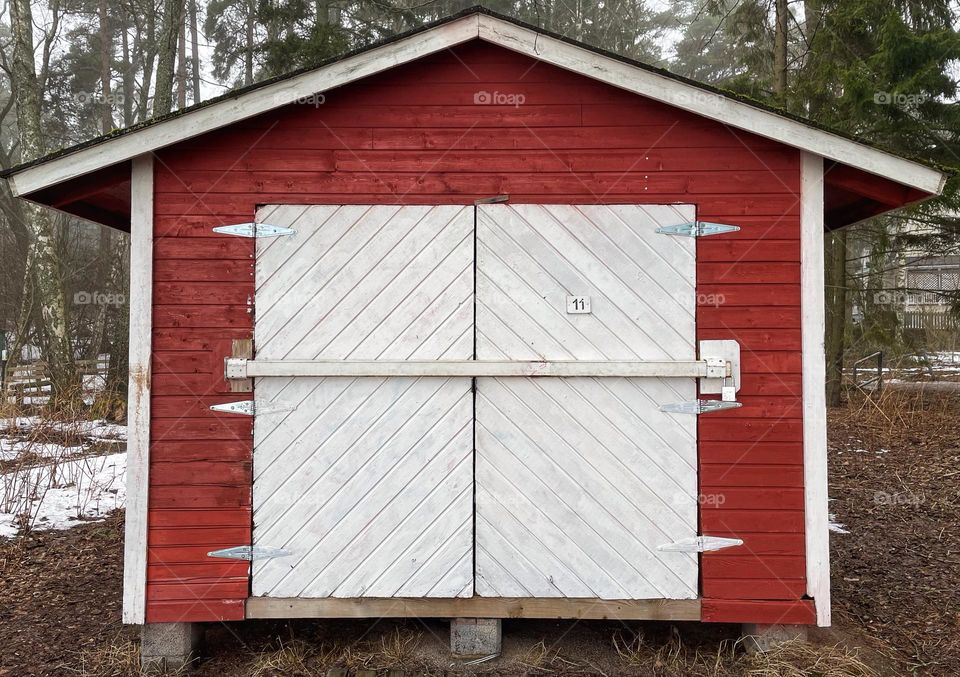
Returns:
point(709, 104)
point(247, 105)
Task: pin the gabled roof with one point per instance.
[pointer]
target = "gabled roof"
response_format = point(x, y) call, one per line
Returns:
point(116, 149)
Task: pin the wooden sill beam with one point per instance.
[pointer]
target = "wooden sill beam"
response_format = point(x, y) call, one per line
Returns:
point(475, 607)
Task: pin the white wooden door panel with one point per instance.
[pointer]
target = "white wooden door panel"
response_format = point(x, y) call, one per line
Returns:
point(579, 480)
point(365, 283)
point(527, 487)
point(367, 482)
point(643, 282)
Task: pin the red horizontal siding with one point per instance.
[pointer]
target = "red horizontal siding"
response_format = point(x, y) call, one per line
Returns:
point(764, 543)
point(799, 612)
point(193, 609)
point(174, 573)
point(388, 140)
point(736, 589)
point(200, 518)
point(729, 521)
point(739, 474)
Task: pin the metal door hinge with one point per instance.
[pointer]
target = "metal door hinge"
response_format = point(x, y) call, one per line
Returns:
point(249, 552)
point(698, 406)
point(700, 544)
point(697, 229)
point(254, 230)
point(250, 408)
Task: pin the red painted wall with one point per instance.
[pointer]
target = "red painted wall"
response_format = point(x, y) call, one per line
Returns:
point(416, 135)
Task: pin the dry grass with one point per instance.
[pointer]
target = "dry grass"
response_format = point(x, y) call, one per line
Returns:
point(302, 658)
point(890, 415)
point(539, 658)
point(800, 659)
point(118, 658)
point(399, 650)
point(291, 659)
point(671, 657)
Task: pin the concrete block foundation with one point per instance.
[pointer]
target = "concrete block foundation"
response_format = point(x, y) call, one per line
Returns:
point(169, 647)
point(758, 638)
point(475, 637)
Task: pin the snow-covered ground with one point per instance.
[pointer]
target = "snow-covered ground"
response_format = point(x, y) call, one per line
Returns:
point(101, 430)
point(935, 365)
point(62, 495)
point(58, 486)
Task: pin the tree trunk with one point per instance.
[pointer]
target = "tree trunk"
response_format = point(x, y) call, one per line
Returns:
point(149, 42)
point(118, 331)
point(195, 51)
point(182, 67)
point(106, 52)
point(127, 82)
point(248, 49)
point(46, 269)
point(167, 53)
point(104, 258)
point(835, 275)
point(780, 48)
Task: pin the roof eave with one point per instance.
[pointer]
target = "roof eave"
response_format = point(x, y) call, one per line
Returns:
point(622, 73)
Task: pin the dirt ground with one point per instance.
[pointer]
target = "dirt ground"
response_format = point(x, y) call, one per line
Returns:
point(895, 485)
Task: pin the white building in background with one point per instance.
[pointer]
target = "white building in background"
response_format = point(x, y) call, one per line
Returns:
point(926, 279)
point(919, 285)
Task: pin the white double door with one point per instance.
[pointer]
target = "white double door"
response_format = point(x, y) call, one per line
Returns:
point(446, 486)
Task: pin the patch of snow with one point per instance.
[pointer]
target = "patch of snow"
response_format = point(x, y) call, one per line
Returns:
point(94, 382)
point(104, 430)
point(97, 430)
point(836, 527)
point(18, 423)
point(57, 495)
point(10, 449)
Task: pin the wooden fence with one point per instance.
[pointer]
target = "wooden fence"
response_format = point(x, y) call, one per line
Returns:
point(30, 383)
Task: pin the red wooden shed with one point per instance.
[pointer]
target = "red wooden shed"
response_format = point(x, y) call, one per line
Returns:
point(506, 326)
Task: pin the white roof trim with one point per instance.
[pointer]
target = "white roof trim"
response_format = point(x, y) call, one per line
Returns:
point(510, 36)
point(249, 104)
point(709, 104)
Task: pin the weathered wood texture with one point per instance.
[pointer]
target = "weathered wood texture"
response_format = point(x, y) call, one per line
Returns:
point(477, 607)
point(368, 482)
point(580, 481)
point(389, 139)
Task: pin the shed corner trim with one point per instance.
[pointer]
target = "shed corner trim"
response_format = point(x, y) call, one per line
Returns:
point(138, 395)
point(813, 323)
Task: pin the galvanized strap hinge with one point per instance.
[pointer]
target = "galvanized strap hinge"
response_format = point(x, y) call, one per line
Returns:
point(254, 230)
point(698, 406)
point(697, 229)
point(700, 544)
point(249, 552)
point(250, 408)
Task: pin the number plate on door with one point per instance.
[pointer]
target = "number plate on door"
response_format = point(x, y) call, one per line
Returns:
point(578, 304)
